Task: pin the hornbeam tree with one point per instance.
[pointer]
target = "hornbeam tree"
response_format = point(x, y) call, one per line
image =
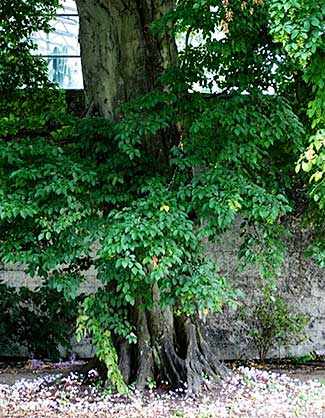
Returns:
point(153, 172)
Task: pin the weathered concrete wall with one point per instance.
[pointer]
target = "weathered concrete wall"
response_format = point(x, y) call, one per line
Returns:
point(302, 283)
point(14, 275)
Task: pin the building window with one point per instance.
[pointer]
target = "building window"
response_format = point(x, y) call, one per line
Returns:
point(61, 47)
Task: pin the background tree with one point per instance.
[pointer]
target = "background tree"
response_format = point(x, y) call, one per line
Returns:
point(18, 67)
point(300, 28)
point(157, 169)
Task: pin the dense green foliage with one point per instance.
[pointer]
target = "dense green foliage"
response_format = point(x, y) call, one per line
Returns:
point(300, 28)
point(39, 321)
point(80, 193)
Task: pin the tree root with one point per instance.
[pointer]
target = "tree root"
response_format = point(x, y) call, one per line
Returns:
point(145, 352)
point(202, 366)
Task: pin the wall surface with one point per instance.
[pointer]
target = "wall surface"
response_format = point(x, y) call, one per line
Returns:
point(302, 284)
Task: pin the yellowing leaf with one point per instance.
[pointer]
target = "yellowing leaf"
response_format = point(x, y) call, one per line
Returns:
point(310, 154)
point(316, 176)
point(234, 205)
point(306, 166)
point(155, 261)
point(165, 208)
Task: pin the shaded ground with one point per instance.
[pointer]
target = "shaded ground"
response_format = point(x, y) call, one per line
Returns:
point(310, 370)
point(248, 392)
point(29, 370)
point(305, 374)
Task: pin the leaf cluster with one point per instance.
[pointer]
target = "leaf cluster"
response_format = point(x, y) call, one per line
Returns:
point(19, 66)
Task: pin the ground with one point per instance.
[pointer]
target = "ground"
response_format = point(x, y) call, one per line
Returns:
point(247, 392)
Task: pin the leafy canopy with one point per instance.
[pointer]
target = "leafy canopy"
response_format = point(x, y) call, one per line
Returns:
point(19, 20)
point(299, 26)
point(80, 193)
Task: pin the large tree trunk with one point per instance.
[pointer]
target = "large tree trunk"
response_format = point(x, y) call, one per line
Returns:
point(174, 349)
point(122, 60)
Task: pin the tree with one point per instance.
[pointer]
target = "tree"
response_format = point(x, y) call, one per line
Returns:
point(300, 28)
point(154, 171)
point(17, 64)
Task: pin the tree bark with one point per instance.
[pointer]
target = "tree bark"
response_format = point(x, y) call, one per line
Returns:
point(120, 58)
point(179, 352)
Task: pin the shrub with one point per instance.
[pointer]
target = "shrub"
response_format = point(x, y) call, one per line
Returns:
point(39, 321)
point(272, 322)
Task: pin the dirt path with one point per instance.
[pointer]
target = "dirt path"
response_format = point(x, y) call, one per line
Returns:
point(10, 378)
point(10, 375)
point(306, 375)
point(247, 393)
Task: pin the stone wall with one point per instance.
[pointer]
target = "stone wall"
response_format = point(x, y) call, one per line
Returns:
point(302, 284)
